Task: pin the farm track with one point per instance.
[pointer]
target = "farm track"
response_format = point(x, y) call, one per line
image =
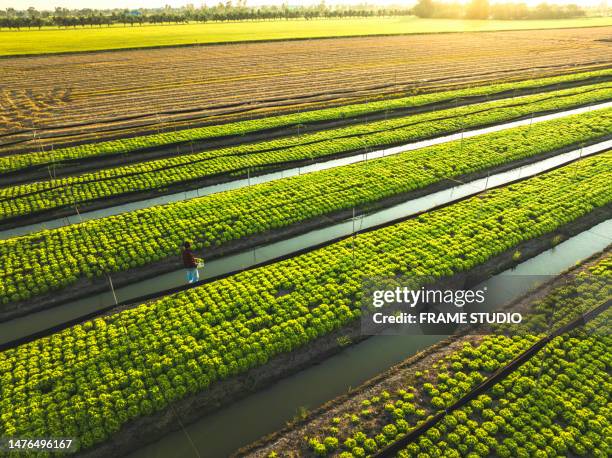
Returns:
point(303, 75)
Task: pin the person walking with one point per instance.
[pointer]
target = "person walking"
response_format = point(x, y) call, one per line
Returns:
point(190, 262)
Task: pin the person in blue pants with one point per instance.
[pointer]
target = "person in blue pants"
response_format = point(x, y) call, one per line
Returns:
point(190, 262)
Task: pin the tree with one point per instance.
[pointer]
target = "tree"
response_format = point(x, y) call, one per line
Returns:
point(478, 9)
point(61, 12)
point(32, 13)
point(425, 8)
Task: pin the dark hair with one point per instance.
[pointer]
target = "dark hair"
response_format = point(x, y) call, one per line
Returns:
point(187, 245)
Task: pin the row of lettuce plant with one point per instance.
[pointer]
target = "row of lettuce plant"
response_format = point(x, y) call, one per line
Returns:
point(437, 123)
point(103, 184)
point(16, 162)
point(90, 380)
point(49, 260)
point(314, 141)
point(488, 112)
point(365, 426)
point(316, 145)
point(557, 404)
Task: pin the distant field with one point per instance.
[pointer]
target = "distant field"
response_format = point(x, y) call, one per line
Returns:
point(52, 40)
point(147, 90)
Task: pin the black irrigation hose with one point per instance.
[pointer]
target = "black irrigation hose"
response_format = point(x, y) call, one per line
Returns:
point(394, 448)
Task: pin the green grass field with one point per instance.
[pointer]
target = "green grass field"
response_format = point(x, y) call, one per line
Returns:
point(53, 40)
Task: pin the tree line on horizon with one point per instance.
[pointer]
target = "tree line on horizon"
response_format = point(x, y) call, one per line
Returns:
point(224, 12)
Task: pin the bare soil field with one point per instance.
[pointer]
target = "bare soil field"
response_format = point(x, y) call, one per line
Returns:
point(84, 97)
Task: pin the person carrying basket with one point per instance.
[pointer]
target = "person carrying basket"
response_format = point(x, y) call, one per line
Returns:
point(191, 263)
